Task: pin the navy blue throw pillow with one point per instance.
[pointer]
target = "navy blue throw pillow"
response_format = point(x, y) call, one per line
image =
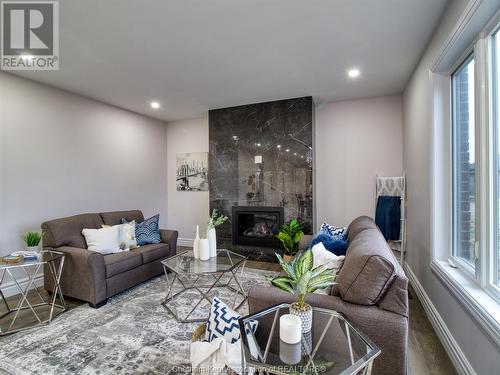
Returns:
point(147, 231)
point(337, 247)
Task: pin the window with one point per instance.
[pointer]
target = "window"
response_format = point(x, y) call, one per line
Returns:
point(464, 166)
point(496, 152)
point(465, 195)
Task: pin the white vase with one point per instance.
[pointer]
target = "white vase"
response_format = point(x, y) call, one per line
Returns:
point(32, 248)
point(212, 240)
point(196, 244)
point(204, 249)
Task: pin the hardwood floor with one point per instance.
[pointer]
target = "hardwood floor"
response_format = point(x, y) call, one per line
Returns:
point(426, 355)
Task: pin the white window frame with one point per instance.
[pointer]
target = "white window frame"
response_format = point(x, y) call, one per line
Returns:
point(473, 288)
point(469, 54)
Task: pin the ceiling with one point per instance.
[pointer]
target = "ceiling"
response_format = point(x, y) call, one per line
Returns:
point(192, 56)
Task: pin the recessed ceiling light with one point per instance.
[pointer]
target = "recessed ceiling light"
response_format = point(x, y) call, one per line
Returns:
point(258, 144)
point(279, 146)
point(155, 105)
point(353, 73)
point(235, 137)
point(287, 150)
point(295, 154)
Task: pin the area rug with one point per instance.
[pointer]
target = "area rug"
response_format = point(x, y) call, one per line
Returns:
point(131, 334)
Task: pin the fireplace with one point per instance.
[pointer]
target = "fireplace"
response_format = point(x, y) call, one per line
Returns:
point(256, 226)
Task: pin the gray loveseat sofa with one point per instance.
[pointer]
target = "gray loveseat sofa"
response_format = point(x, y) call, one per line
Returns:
point(93, 277)
point(372, 293)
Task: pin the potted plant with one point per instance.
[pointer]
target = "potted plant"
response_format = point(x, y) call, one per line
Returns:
point(32, 240)
point(290, 235)
point(214, 221)
point(300, 279)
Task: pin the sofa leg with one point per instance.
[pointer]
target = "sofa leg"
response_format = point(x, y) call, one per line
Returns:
point(98, 305)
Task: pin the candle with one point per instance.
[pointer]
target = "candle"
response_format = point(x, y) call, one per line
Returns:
point(204, 249)
point(290, 329)
point(290, 353)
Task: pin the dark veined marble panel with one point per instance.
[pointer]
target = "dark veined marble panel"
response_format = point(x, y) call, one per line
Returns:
point(261, 155)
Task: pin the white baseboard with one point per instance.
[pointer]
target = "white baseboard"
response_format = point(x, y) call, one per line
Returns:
point(456, 355)
point(10, 288)
point(185, 242)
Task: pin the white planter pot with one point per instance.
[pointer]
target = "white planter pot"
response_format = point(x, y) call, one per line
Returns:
point(204, 249)
point(212, 240)
point(306, 316)
point(32, 248)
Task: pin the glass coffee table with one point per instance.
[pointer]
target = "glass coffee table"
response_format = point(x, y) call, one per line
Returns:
point(333, 346)
point(202, 278)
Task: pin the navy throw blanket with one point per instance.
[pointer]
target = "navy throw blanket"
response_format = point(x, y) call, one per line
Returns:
point(388, 216)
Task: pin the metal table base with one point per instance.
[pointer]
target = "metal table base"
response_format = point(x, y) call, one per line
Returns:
point(31, 270)
point(192, 285)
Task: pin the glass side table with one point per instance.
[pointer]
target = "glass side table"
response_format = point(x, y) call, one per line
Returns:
point(220, 271)
point(333, 346)
point(25, 273)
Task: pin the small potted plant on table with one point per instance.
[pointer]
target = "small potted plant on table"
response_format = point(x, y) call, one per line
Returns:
point(300, 279)
point(290, 235)
point(32, 240)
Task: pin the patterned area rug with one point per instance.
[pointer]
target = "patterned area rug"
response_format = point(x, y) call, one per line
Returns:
point(132, 333)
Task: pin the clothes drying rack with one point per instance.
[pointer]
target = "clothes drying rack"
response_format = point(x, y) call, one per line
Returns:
point(394, 186)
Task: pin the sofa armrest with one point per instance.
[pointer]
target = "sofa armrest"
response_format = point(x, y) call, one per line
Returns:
point(389, 331)
point(170, 237)
point(83, 277)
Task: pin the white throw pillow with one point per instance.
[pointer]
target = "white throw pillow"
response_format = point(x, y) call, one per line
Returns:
point(104, 240)
point(127, 238)
point(321, 256)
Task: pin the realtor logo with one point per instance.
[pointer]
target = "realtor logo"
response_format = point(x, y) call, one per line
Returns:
point(29, 35)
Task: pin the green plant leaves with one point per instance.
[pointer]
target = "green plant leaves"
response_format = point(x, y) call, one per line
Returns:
point(287, 267)
point(290, 235)
point(216, 219)
point(283, 282)
point(304, 263)
point(301, 277)
point(32, 238)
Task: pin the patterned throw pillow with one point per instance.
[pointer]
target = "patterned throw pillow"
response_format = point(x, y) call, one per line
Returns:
point(147, 231)
point(127, 235)
point(223, 322)
point(338, 233)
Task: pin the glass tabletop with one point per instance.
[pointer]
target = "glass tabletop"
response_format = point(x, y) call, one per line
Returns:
point(43, 257)
point(185, 262)
point(333, 346)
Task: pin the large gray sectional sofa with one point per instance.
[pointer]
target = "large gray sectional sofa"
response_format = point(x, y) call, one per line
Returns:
point(372, 293)
point(93, 277)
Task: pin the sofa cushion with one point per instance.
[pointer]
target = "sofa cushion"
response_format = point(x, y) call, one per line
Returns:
point(358, 225)
point(153, 252)
point(114, 217)
point(121, 262)
point(67, 231)
point(369, 269)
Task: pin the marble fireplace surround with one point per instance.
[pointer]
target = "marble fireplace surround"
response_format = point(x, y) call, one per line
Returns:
point(261, 155)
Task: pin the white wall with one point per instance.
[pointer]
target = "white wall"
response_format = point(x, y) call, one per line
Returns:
point(355, 141)
point(480, 351)
point(62, 154)
point(186, 208)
